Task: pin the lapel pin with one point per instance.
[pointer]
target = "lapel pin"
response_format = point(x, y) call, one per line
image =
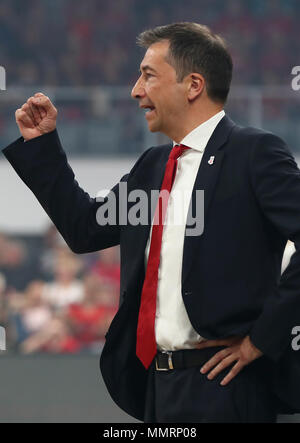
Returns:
point(211, 160)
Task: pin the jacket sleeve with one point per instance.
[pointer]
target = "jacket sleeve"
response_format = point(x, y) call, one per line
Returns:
point(42, 165)
point(276, 182)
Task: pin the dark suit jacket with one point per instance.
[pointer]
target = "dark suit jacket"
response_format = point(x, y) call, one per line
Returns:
point(231, 282)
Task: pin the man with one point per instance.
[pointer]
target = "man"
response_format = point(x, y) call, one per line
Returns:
point(204, 324)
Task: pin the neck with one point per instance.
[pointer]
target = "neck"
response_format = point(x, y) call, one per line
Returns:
point(193, 120)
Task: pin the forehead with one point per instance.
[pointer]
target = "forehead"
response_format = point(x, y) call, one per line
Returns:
point(155, 55)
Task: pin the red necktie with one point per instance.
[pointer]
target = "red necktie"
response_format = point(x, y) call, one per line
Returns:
point(146, 343)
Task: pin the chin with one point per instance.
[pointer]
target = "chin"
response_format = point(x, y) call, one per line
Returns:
point(153, 128)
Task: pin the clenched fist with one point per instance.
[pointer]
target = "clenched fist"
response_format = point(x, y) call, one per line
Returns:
point(36, 117)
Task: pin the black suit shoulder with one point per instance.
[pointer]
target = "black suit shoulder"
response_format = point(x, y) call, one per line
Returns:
point(257, 146)
point(252, 137)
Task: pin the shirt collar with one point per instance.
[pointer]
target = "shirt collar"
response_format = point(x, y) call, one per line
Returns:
point(197, 139)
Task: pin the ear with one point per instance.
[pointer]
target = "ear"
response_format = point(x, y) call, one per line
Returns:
point(196, 84)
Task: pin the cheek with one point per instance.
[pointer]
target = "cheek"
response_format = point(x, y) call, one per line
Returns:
point(169, 105)
point(165, 99)
point(176, 103)
point(153, 94)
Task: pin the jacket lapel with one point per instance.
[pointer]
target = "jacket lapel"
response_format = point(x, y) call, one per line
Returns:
point(206, 180)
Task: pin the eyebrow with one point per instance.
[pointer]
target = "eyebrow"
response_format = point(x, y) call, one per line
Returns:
point(147, 68)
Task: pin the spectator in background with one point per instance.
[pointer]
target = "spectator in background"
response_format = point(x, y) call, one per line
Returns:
point(32, 312)
point(52, 241)
point(14, 262)
point(108, 266)
point(66, 287)
point(36, 312)
point(90, 319)
point(55, 337)
point(80, 327)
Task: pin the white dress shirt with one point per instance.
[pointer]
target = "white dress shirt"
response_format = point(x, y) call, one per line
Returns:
point(173, 329)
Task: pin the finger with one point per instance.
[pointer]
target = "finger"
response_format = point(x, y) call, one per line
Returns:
point(23, 117)
point(218, 342)
point(26, 108)
point(44, 102)
point(233, 373)
point(42, 112)
point(35, 111)
point(215, 360)
point(41, 109)
point(222, 365)
point(43, 105)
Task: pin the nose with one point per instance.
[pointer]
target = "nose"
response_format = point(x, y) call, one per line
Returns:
point(138, 91)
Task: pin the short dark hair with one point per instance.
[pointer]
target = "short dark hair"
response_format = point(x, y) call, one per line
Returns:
point(194, 48)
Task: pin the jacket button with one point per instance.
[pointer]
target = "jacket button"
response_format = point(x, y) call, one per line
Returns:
point(188, 293)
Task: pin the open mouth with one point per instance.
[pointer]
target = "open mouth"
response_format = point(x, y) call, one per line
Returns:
point(149, 110)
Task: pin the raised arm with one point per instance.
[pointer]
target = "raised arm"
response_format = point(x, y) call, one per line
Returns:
point(42, 165)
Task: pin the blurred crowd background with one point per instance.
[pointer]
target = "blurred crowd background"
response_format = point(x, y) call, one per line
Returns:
point(83, 55)
point(74, 43)
point(52, 300)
